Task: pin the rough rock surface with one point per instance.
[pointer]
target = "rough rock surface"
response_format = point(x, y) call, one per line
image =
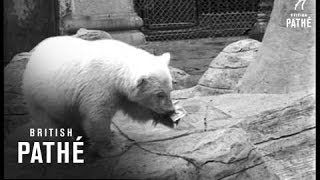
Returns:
point(91, 35)
point(231, 136)
point(225, 70)
point(181, 79)
point(15, 111)
point(286, 60)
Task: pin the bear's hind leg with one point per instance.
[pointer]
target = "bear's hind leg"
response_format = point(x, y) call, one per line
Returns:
point(41, 119)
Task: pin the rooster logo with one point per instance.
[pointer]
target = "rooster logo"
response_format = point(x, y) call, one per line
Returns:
point(302, 4)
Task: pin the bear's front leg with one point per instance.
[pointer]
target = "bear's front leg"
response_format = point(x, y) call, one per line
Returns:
point(97, 128)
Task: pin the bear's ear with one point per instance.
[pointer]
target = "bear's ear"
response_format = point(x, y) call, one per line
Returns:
point(165, 57)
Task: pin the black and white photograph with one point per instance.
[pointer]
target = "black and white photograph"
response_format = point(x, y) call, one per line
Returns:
point(159, 89)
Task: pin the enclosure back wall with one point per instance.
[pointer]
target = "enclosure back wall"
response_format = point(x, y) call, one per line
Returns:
point(184, 19)
point(28, 22)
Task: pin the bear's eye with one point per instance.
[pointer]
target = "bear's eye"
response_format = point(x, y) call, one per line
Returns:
point(161, 95)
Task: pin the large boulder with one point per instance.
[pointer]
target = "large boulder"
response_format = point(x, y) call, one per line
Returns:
point(229, 66)
point(286, 60)
point(224, 71)
point(92, 35)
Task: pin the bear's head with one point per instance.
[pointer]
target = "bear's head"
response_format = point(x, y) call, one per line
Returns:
point(152, 89)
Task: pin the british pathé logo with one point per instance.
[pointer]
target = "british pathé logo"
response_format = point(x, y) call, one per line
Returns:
point(299, 19)
point(63, 150)
point(300, 2)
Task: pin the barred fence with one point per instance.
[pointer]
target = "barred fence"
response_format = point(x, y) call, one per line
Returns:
point(187, 19)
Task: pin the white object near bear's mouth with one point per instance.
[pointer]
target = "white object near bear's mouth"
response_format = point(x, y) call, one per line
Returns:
point(178, 114)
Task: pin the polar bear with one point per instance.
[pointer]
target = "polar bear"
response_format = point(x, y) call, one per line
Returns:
point(79, 84)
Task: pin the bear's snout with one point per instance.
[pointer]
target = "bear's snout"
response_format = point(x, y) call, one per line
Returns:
point(170, 112)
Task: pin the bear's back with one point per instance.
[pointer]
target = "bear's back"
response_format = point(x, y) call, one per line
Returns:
point(60, 50)
point(64, 57)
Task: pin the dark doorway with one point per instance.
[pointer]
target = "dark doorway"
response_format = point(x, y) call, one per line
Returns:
point(26, 23)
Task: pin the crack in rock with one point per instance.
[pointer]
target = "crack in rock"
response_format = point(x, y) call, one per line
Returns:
point(242, 170)
point(228, 67)
point(284, 136)
point(264, 114)
point(205, 117)
point(232, 162)
point(189, 160)
point(241, 50)
point(221, 88)
point(170, 138)
point(122, 133)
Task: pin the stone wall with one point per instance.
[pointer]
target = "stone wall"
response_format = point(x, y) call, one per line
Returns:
point(26, 23)
point(286, 60)
point(117, 17)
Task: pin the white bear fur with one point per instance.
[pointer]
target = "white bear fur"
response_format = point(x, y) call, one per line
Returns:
point(67, 79)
